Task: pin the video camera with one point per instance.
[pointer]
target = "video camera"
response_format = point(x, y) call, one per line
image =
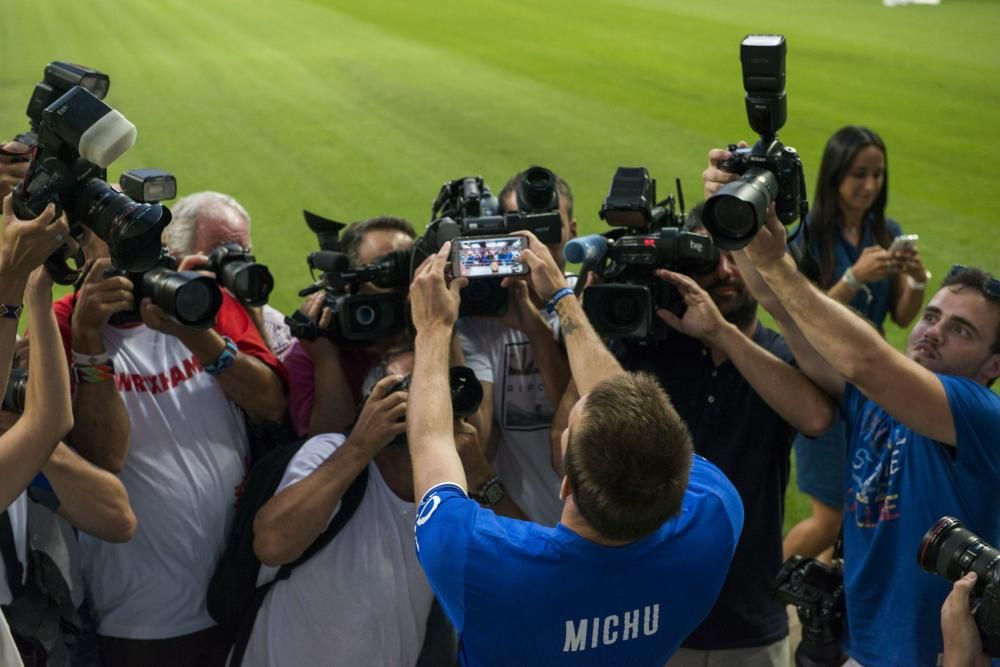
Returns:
point(465, 207)
point(817, 591)
point(625, 305)
point(770, 171)
point(357, 318)
point(75, 137)
point(187, 297)
point(951, 550)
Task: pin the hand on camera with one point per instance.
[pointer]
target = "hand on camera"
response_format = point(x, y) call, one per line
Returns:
point(702, 318)
point(714, 176)
point(382, 417)
point(99, 298)
point(314, 309)
point(13, 168)
point(962, 643)
point(875, 264)
point(433, 302)
point(26, 244)
point(769, 246)
point(546, 277)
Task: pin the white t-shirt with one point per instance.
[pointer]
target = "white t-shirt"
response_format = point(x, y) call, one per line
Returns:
point(187, 449)
point(18, 513)
point(361, 600)
point(521, 410)
point(279, 336)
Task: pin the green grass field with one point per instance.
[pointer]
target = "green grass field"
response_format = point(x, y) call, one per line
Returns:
point(354, 109)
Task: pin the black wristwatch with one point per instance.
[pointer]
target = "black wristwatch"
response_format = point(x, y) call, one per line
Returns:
point(491, 492)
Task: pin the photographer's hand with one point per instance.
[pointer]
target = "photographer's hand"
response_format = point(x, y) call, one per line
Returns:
point(702, 318)
point(13, 168)
point(98, 298)
point(963, 647)
point(26, 244)
point(769, 246)
point(714, 177)
point(433, 302)
point(546, 277)
point(382, 418)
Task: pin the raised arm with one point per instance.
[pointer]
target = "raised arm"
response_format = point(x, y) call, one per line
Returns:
point(590, 361)
point(783, 387)
point(911, 393)
point(48, 411)
point(430, 429)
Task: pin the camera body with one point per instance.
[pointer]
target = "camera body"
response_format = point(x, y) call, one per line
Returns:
point(78, 137)
point(237, 270)
point(58, 78)
point(187, 297)
point(16, 391)
point(770, 171)
point(817, 591)
point(951, 550)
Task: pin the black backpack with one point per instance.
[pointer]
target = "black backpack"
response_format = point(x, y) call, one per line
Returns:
point(233, 595)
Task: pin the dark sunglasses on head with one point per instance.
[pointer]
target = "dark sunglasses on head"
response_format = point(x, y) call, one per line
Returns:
point(991, 286)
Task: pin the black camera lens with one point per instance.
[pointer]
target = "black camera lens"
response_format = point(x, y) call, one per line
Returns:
point(951, 550)
point(365, 315)
point(17, 391)
point(735, 213)
point(250, 282)
point(131, 230)
point(189, 297)
point(537, 191)
point(620, 313)
point(466, 391)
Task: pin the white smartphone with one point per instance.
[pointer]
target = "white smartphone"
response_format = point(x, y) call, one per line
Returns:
point(487, 257)
point(904, 242)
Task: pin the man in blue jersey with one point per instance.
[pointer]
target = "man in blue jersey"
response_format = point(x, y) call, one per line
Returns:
point(647, 530)
point(922, 437)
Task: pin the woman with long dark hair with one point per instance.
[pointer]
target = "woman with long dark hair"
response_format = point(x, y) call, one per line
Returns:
point(847, 253)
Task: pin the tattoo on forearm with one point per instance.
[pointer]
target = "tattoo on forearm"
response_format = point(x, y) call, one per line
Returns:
point(568, 326)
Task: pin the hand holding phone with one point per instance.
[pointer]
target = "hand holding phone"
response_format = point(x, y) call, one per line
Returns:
point(904, 242)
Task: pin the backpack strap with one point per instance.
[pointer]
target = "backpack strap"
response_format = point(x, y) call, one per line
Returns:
point(13, 567)
point(348, 506)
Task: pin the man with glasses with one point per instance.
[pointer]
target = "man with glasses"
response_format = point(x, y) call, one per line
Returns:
point(922, 436)
point(732, 381)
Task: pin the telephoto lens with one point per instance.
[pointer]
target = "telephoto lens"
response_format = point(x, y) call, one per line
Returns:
point(17, 390)
point(950, 550)
point(190, 298)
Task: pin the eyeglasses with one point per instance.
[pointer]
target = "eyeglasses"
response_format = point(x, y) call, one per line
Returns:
point(991, 286)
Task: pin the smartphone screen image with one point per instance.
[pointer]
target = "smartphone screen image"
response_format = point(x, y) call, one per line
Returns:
point(488, 257)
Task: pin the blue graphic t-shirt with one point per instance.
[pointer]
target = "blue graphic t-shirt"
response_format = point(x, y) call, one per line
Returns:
point(522, 594)
point(899, 483)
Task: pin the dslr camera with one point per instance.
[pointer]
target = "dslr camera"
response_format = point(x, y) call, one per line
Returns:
point(187, 297)
point(951, 550)
point(77, 137)
point(649, 238)
point(16, 392)
point(465, 207)
point(817, 591)
point(358, 319)
point(466, 395)
point(237, 270)
point(769, 170)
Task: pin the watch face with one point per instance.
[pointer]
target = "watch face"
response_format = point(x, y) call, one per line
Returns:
point(494, 492)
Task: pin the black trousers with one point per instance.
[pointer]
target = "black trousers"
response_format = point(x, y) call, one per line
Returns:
point(205, 648)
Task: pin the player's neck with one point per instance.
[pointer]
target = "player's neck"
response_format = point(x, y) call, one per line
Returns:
point(574, 521)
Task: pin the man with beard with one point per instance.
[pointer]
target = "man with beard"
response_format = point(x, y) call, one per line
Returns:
point(733, 382)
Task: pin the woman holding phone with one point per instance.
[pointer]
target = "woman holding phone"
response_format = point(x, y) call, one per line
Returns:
point(860, 258)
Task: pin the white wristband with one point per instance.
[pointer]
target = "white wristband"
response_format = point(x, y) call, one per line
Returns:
point(82, 359)
point(851, 281)
point(918, 285)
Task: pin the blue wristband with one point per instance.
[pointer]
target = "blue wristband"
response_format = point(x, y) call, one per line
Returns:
point(560, 294)
point(226, 358)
